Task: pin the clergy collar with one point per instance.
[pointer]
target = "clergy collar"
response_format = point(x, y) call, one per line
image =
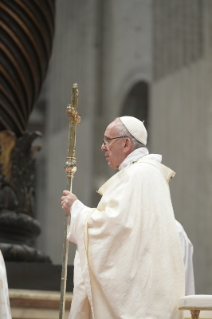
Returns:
point(137, 154)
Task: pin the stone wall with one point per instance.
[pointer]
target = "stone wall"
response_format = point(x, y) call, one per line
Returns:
point(105, 47)
point(181, 123)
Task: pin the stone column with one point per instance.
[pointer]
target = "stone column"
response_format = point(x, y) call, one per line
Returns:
point(27, 30)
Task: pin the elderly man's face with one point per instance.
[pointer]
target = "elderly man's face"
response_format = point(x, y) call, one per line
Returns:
point(114, 149)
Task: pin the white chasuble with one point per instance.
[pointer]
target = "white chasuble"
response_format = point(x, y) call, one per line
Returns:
point(129, 261)
point(4, 295)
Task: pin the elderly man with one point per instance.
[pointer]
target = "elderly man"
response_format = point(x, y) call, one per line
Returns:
point(128, 263)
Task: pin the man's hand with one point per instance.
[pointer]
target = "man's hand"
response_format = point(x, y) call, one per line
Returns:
point(67, 200)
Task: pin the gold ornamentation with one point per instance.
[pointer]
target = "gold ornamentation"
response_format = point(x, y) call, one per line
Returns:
point(70, 168)
point(195, 314)
point(75, 119)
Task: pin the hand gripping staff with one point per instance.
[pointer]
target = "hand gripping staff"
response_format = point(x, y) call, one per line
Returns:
point(70, 168)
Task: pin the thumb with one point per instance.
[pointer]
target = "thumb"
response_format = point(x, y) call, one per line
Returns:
point(65, 192)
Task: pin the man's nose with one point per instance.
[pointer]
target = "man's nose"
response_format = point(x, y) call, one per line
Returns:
point(103, 147)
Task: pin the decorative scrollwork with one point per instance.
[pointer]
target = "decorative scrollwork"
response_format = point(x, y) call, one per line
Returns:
point(17, 192)
point(73, 114)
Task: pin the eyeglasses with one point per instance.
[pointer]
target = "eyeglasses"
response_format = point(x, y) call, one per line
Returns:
point(106, 142)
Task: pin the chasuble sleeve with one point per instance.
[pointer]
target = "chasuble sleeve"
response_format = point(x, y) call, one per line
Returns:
point(75, 211)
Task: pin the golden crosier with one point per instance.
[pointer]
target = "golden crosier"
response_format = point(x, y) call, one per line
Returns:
point(75, 119)
point(70, 168)
point(73, 114)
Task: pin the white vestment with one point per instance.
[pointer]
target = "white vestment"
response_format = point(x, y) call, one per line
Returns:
point(4, 295)
point(128, 263)
point(187, 250)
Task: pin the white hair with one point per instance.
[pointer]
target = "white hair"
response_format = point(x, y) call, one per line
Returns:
point(123, 131)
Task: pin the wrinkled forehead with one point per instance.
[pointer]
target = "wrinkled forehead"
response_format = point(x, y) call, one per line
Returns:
point(111, 128)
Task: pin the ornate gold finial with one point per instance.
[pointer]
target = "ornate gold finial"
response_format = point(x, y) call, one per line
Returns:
point(75, 119)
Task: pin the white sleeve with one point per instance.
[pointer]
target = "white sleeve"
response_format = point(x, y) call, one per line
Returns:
point(187, 251)
point(189, 271)
point(4, 293)
point(75, 210)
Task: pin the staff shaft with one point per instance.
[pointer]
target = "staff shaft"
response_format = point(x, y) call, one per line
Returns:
point(70, 168)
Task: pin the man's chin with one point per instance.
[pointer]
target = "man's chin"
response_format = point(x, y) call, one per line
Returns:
point(111, 166)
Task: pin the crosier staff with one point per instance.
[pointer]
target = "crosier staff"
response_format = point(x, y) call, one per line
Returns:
point(70, 168)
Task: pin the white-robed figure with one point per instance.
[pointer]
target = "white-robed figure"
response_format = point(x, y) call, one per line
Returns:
point(128, 263)
point(4, 295)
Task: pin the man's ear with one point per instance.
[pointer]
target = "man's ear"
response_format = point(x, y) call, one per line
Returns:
point(127, 145)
